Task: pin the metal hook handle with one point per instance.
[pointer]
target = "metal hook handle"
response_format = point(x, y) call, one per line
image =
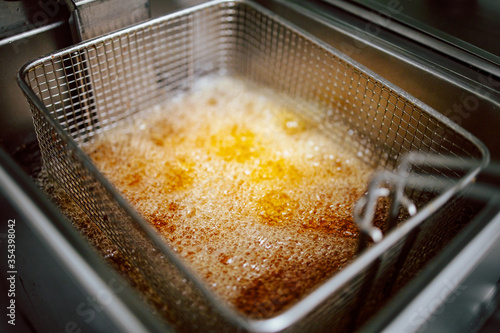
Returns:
point(403, 177)
point(364, 210)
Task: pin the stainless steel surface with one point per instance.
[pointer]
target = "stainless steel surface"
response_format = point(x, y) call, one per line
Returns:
point(388, 18)
point(92, 18)
point(16, 48)
point(17, 17)
point(460, 91)
point(456, 293)
point(89, 88)
point(463, 295)
point(464, 24)
point(29, 30)
point(438, 80)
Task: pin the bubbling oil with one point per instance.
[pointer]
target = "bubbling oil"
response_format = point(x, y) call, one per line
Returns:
point(255, 198)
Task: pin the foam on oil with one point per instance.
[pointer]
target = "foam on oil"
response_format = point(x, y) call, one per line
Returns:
point(255, 198)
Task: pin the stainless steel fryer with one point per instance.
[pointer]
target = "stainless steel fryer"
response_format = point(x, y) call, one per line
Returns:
point(81, 91)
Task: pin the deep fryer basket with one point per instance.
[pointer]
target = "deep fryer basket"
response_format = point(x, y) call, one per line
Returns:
point(81, 91)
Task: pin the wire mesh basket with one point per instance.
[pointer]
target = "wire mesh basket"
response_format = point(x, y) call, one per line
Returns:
point(84, 90)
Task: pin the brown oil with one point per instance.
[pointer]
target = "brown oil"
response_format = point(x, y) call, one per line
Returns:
point(255, 198)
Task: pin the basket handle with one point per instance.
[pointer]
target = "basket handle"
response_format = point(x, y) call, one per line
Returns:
point(393, 183)
point(364, 210)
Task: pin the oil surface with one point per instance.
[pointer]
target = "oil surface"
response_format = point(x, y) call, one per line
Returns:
point(257, 199)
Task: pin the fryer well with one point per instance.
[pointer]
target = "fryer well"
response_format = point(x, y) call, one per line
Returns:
point(84, 90)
